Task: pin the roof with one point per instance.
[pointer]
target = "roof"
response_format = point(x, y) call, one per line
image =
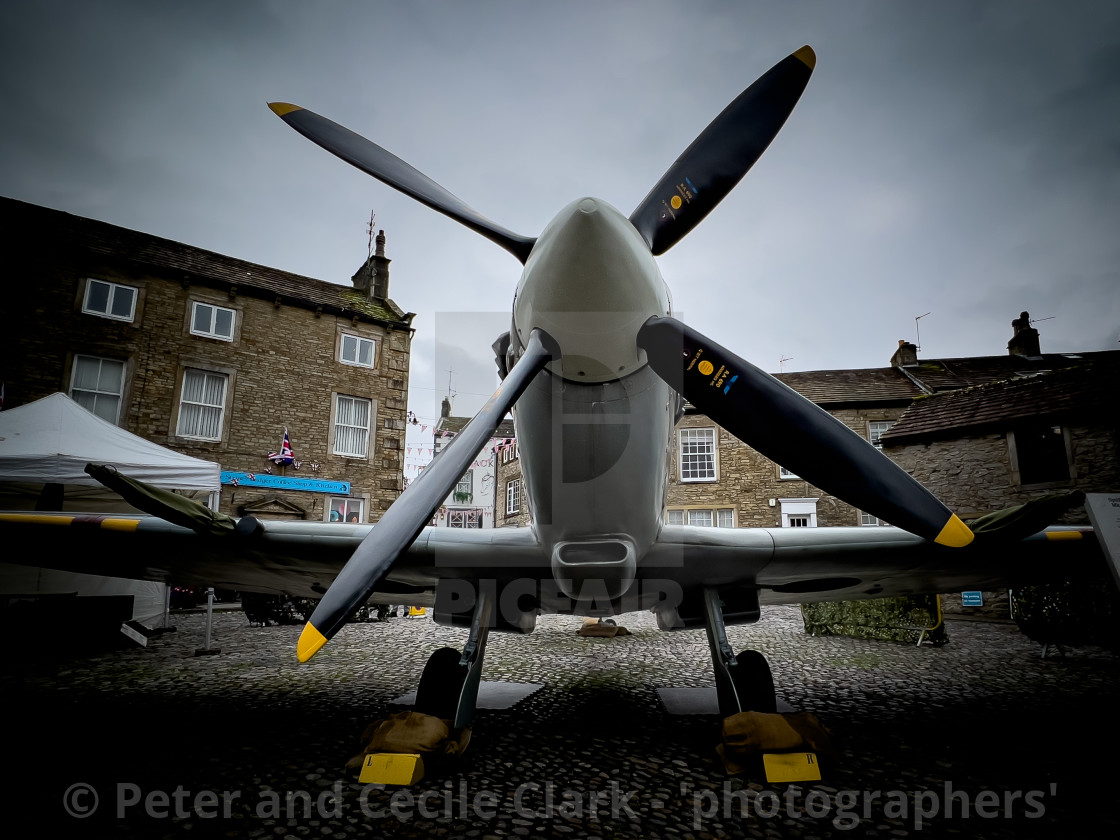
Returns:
point(940, 375)
point(846, 387)
point(454, 425)
point(840, 388)
point(51, 440)
point(30, 222)
point(1086, 386)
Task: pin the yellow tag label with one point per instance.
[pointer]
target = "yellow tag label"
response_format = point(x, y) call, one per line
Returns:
point(791, 767)
point(392, 769)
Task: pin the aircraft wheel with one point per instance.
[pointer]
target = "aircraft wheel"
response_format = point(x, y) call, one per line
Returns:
point(754, 683)
point(440, 684)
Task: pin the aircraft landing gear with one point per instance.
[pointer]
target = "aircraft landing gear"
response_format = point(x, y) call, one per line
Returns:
point(744, 682)
point(441, 683)
point(448, 686)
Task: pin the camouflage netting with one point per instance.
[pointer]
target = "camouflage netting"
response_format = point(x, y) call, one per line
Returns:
point(1050, 608)
point(1065, 613)
point(1072, 613)
point(890, 619)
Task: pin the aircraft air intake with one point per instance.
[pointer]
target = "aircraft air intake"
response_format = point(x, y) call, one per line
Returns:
point(587, 569)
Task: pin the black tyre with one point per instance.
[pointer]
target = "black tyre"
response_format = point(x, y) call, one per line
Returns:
point(440, 684)
point(754, 683)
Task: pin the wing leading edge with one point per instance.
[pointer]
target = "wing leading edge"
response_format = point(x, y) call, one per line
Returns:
point(298, 559)
point(799, 565)
point(786, 565)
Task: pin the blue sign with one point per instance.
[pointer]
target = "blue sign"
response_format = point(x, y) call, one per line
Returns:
point(284, 482)
point(972, 599)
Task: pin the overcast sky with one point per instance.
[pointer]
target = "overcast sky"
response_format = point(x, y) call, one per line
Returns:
point(960, 159)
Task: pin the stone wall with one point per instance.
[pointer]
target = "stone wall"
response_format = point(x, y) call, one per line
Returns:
point(748, 481)
point(973, 475)
point(509, 470)
point(283, 367)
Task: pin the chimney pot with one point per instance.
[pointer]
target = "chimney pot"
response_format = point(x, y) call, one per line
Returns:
point(373, 277)
point(906, 354)
point(1024, 338)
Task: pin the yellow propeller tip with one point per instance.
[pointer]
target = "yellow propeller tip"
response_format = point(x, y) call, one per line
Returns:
point(955, 534)
point(282, 108)
point(807, 56)
point(310, 640)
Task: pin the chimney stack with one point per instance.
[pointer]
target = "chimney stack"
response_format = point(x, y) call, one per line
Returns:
point(906, 354)
point(445, 408)
point(1024, 340)
point(373, 277)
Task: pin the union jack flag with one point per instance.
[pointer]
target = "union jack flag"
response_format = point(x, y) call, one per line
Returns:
point(285, 456)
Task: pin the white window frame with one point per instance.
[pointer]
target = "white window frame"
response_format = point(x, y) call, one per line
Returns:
point(700, 517)
point(114, 289)
point(358, 341)
point(715, 517)
point(697, 438)
point(203, 404)
point(799, 513)
point(513, 496)
point(99, 390)
point(344, 431)
point(464, 518)
point(787, 475)
point(876, 429)
point(866, 520)
point(345, 506)
point(211, 331)
point(465, 484)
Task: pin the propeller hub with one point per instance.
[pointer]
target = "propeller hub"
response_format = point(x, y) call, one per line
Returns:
point(590, 282)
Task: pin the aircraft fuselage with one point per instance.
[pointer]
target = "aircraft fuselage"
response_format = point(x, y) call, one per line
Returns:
point(594, 428)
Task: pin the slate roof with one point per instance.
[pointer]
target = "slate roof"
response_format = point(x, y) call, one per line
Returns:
point(849, 387)
point(1090, 388)
point(165, 257)
point(939, 375)
point(457, 424)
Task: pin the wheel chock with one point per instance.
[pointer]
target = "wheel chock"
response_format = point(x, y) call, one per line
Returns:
point(791, 767)
point(392, 769)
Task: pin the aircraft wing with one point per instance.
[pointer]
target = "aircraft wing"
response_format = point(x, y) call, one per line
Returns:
point(798, 565)
point(298, 559)
point(786, 565)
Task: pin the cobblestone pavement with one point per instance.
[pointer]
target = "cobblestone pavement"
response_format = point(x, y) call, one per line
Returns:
point(158, 742)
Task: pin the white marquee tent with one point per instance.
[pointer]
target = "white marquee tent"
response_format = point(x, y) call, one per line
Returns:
point(49, 442)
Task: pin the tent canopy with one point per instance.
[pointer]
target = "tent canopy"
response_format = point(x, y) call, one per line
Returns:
point(51, 440)
point(48, 443)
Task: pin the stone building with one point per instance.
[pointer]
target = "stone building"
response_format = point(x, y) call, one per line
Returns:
point(512, 502)
point(983, 433)
point(1048, 425)
point(215, 357)
point(715, 479)
point(480, 497)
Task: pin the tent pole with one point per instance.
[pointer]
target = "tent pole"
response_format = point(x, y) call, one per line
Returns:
point(209, 620)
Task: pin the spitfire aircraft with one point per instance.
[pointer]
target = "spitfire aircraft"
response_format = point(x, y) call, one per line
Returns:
point(596, 371)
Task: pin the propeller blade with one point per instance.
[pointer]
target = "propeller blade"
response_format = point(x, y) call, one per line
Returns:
point(722, 154)
point(787, 428)
point(401, 525)
point(390, 169)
